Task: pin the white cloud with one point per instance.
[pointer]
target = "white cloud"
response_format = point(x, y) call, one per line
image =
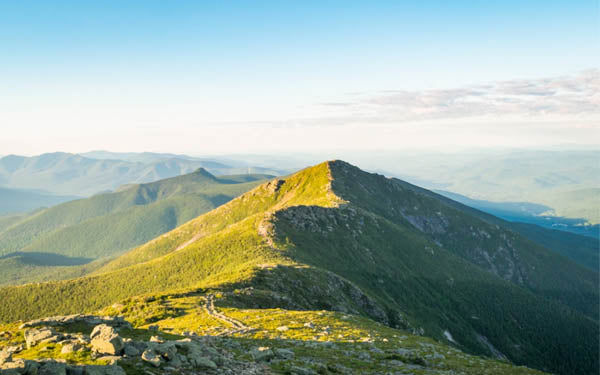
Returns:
point(576, 96)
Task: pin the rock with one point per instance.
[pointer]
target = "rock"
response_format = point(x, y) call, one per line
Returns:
point(309, 325)
point(297, 370)
point(52, 368)
point(106, 341)
point(284, 353)
point(364, 356)
point(75, 370)
point(15, 367)
point(262, 354)
point(130, 350)
point(104, 370)
point(113, 321)
point(203, 362)
point(111, 359)
point(35, 336)
point(5, 356)
point(167, 350)
point(156, 339)
point(70, 347)
point(282, 328)
point(151, 357)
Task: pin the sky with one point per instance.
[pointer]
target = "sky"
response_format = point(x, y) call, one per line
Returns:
point(209, 77)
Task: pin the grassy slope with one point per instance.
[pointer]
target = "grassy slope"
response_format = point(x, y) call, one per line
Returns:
point(437, 288)
point(108, 224)
point(332, 343)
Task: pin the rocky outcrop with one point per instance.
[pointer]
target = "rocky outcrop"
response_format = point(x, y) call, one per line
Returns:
point(106, 340)
point(92, 320)
point(34, 336)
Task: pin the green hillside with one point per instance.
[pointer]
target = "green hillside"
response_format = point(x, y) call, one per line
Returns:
point(99, 227)
point(333, 237)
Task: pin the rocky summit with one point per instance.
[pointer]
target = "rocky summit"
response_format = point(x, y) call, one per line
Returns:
point(331, 270)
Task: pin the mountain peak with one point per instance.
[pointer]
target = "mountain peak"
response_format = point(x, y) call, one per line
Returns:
point(203, 172)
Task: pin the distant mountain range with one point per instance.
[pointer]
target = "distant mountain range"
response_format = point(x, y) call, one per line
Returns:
point(335, 238)
point(23, 200)
point(539, 214)
point(566, 181)
point(77, 175)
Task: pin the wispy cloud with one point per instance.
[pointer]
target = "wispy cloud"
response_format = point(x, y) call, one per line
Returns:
point(569, 95)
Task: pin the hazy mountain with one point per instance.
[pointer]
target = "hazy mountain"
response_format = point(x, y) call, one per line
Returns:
point(333, 237)
point(552, 178)
point(72, 174)
point(99, 227)
point(21, 200)
point(541, 215)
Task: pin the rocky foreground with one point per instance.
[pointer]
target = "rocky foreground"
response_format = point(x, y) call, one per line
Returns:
point(189, 334)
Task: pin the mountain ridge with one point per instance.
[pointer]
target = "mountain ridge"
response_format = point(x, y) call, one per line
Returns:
point(284, 237)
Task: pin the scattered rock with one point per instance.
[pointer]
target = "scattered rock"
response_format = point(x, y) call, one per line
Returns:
point(106, 341)
point(35, 336)
point(111, 359)
point(151, 357)
point(5, 356)
point(262, 354)
point(52, 368)
point(104, 370)
point(282, 328)
point(284, 353)
point(130, 350)
point(297, 370)
point(70, 348)
point(203, 362)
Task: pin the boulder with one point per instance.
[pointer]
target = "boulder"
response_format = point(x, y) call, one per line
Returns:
point(106, 340)
point(284, 353)
point(167, 350)
point(151, 357)
point(104, 370)
point(262, 354)
point(130, 350)
point(202, 362)
point(35, 336)
point(52, 368)
point(110, 359)
point(5, 356)
point(18, 366)
point(70, 348)
point(75, 370)
point(297, 370)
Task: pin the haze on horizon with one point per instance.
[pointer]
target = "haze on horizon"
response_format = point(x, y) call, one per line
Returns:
point(209, 77)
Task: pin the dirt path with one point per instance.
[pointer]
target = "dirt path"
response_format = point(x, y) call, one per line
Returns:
point(238, 327)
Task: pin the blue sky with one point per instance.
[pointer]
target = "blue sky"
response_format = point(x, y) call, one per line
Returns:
point(76, 74)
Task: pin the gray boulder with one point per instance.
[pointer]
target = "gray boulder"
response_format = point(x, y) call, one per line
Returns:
point(104, 370)
point(151, 357)
point(106, 340)
point(35, 336)
point(284, 353)
point(52, 368)
point(262, 354)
